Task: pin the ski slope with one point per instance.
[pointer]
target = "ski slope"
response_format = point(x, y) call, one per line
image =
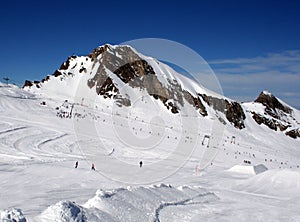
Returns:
point(38, 181)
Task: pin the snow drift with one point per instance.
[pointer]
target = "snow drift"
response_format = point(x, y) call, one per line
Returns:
point(244, 169)
point(284, 183)
point(128, 204)
point(12, 215)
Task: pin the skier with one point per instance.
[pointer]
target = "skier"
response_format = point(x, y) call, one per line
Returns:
point(93, 166)
point(76, 164)
point(113, 150)
point(141, 163)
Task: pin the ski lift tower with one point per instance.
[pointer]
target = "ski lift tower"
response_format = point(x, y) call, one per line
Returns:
point(6, 79)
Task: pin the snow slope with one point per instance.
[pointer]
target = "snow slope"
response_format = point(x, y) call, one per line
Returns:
point(39, 149)
point(43, 131)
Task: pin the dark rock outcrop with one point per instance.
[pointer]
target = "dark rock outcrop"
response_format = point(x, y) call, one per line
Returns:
point(96, 52)
point(295, 133)
point(45, 79)
point(136, 72)
point(271, 123)
point(27, 83)
point(232, 110)
point(66, 64)
point(271, 103)
point(235, 114)
point(276, 114)
point(196, 102)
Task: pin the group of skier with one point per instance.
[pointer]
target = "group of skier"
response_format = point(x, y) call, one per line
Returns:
point(92, 168)
point(93, 165)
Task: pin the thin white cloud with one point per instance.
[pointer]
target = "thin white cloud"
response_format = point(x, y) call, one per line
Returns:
point(268, 59)
point(244, 78)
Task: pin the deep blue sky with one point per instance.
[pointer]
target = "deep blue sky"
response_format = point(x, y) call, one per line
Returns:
point(37, 36)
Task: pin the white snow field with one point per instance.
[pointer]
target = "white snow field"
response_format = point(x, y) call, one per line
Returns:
point(38, 151)
point(256, 177)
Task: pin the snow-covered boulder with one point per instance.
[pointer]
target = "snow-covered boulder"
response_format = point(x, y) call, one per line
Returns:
point(12, 215)
point(64, 211)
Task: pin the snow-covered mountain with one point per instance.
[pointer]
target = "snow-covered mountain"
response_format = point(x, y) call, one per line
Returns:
point(275, 114)
point(205, 157)
point(121, 74)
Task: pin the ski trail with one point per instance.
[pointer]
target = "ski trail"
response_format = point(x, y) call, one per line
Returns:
point(254, 194)
point(32, 145)
point(185, 202)
point(43, 143)
point(13, 129)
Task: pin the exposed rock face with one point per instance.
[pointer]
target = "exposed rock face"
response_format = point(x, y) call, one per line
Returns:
point(235, 114)
point(271, 123)
point(66, 64)
point(293, 133)
point(276, 115)
point(96, 52)
point(137, 73)
point(271, 103)
point(121, 61)
point(196, 102)
point(233, 110)
point(27, 83)
point(45, 79)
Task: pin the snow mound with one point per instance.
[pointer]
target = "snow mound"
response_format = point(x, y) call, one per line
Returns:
point(279, 182)
point(64, 211)
point(12, 215)
point(128, 204)
point(67, 211)
point(145, 203)
point(253, 170)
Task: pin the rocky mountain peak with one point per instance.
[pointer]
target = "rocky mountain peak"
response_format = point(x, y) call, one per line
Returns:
point(276, 115)
point(271, 102)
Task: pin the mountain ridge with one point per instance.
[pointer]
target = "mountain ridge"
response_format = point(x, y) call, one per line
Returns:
point(117, 72)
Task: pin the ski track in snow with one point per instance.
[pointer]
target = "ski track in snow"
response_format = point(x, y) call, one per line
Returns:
point(185, 202)
point(13, 130)
point(34, 144)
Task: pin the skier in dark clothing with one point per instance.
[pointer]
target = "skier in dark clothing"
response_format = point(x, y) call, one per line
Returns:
point(76, 164)
point(141, 163)
point(93, 166)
